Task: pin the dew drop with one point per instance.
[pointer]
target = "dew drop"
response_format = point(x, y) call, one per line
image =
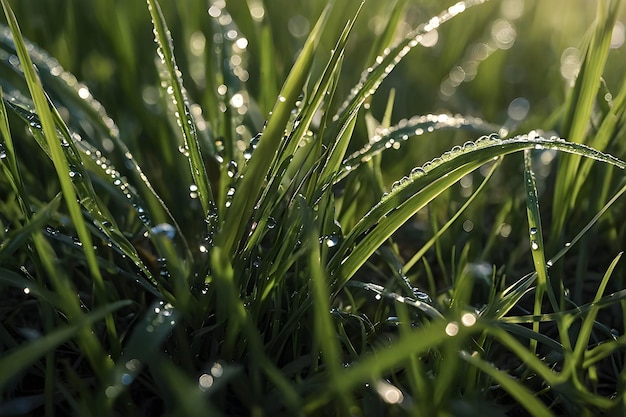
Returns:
point(164, 229)
point(468, 319)
point(452, 328)
point(232, 169)
point(331, 240)
point(417, 172)
point(533, 231)
point(534, 245)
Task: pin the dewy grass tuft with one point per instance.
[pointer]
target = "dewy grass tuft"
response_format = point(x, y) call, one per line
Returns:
point(304, 208)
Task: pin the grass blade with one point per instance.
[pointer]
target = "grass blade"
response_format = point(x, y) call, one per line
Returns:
point(263, 157)
point(579, 108)
point(521, 394)
point(185, 119)
point(425, 183)
point(60, 162)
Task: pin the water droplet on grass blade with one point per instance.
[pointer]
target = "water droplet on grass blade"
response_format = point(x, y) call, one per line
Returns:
point(164, 229)
point(534, 245)
point(331, 240)
point(452, 328)
point(232, 169)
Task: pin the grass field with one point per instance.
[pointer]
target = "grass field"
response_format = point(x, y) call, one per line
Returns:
point(312, 208)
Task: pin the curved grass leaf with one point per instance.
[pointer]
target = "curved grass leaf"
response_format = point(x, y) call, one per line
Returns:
point(85, 111)
point(418, 255)
point(517, 390)
point(165, 51)
point(372, 77)
point(380, 291)
point(425, 183)
point(415, 126)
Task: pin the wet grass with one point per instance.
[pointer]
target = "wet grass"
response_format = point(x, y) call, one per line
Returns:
point(312, 208)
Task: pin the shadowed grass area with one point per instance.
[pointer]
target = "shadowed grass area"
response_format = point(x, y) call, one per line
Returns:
point(312, 208)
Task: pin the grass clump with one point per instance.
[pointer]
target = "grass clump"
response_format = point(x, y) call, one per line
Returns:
point(238, 234)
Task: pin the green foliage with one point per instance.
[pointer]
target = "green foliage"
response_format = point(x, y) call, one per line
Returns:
point(311, 208)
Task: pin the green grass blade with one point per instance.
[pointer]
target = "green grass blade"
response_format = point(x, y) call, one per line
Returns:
point(403, 131)
point(263, 157)
point(412, 193)
point(588, 324)
point(517, 390)
point(607, 133)
point(418, 255)
point(384, 64)
point(535, 232)
point(142, 347)
point(184, 117)
point(579, 108)
point(60, 162)
point(7, 154)
point(325, 331)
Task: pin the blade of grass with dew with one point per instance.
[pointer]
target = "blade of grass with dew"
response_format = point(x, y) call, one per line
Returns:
point(607, 133)
point(7, 154)
point(60, 162)
point(80, 179)
point(517, 390)
point(187, 125)
point(60, 83)
point(262, 159)
point(381, 292)
point(324, 89)
point(415, 126)
point(535, 232)
point(142, 346)
point(579, 108)
point(384, 64)
point(56, 152)
point(414, 192)
point(12, 363)
point(418, 255)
